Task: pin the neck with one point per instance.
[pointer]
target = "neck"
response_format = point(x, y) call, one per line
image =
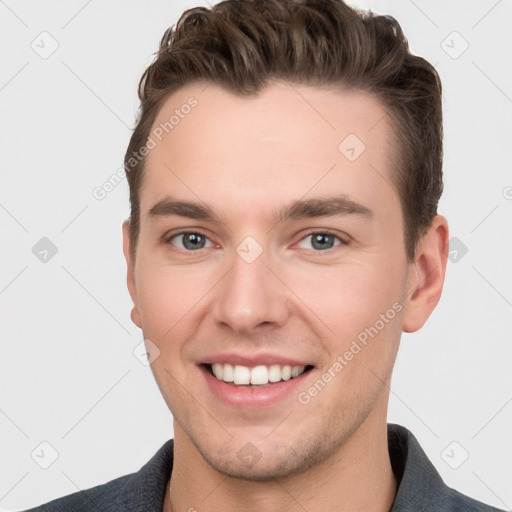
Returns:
point(358, 477)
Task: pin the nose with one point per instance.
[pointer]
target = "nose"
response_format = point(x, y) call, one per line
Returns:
point(251, 297)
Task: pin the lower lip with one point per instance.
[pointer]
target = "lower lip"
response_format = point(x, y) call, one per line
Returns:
point(252, 397)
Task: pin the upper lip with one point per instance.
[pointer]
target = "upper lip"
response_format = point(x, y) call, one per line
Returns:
point(252, 360)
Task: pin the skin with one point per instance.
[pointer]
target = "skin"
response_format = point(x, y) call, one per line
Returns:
point(246, 158)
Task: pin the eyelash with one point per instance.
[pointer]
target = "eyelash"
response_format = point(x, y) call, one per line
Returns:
point(167, 239)
point(325, 232)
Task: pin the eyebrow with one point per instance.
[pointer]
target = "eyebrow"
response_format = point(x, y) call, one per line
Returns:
point(299, 209)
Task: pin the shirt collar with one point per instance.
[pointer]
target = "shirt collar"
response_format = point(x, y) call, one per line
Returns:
point(420, 487)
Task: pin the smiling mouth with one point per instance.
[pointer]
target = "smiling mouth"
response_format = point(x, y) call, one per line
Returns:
point(260, 375)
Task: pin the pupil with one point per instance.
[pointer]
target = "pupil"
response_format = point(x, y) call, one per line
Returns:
point(322, 241)
point(193, 241)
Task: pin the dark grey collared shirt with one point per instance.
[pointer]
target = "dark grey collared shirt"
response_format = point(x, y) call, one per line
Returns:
point(420, 488)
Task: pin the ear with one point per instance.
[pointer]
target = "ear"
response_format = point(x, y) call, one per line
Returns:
point(426, 275)
point(130, 276)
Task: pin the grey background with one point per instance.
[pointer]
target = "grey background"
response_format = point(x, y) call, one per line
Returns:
point(68, 373)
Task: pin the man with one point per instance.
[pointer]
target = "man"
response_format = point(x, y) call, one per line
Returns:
point(284, 178)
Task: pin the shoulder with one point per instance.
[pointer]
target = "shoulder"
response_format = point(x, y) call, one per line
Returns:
point(461, 503)
point(143, 490)
point(101, 497)
point(420, 487)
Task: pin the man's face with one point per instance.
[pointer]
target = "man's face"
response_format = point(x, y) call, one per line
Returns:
point(320, 287)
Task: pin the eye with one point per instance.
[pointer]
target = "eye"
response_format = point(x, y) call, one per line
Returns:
point(321, 241)
point(189, 241)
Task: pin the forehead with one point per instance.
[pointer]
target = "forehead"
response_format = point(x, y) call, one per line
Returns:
point(276, 146)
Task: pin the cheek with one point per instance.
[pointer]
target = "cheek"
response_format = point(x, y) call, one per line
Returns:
point(360, 304)
point(169, 302)
point(169, 294)
point(349, 297)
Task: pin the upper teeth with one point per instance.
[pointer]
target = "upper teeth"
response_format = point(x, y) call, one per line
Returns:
point(257, 375)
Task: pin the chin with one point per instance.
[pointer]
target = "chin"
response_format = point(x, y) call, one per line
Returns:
point(273, 461)
point(260, 471)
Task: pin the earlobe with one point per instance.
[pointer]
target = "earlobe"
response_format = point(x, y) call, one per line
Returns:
point(426, 275)
point(130, 273)
point(135, 316)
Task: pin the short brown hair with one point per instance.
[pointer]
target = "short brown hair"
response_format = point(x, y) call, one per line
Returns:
point(244, 44)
